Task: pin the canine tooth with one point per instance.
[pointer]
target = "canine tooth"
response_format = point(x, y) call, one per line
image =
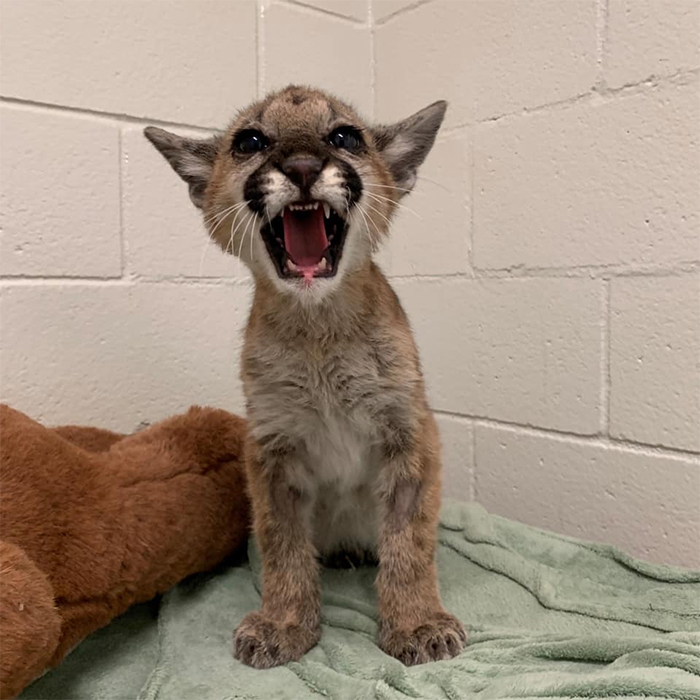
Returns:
point(327, 210)
point(322, 265)
point(291, 266)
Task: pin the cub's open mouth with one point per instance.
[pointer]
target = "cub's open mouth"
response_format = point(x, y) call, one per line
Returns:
point(305, 240)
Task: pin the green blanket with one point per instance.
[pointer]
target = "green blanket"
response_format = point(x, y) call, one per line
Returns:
point(548, 616)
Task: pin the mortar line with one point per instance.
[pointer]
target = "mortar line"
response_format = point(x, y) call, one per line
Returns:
point(591, 271)
point(605, 359)
point(522, 112)
point(110, 117)
point(602, 10)
point(235, 281)
point(122, 118)
point(372, 57)
point(322, 11)
point(470, 171)
point(473, 484)
point(402, 11)
point(654, 82)
point(682, 77)
point(573, 273)
point(120, 194)
point(53, 281)
point(590, 439)
point(126, 281)
point(579, 274)
point(258, 48)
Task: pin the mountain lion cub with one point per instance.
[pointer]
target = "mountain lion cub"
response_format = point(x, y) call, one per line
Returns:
point(343, 454)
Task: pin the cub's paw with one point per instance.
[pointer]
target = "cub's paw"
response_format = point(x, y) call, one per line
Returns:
point(440, 636)
point(262, 642)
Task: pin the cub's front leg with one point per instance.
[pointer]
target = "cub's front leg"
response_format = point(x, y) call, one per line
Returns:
point(414, 627)
point(288, 623)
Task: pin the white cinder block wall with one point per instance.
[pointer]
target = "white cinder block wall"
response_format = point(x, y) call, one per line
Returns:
point(550, 263)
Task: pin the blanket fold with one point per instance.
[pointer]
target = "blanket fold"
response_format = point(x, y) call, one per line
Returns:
point(548, 616)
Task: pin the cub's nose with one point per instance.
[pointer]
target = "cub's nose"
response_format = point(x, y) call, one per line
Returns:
point(303, 171)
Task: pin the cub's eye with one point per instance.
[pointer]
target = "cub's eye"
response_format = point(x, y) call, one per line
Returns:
point(250, 141)
point(346, 137)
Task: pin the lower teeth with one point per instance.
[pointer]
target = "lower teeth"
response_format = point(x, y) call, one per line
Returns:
point(321, 266)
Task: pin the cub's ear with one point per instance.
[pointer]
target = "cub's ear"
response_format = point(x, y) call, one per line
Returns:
point(405, 145)
point(191, 159)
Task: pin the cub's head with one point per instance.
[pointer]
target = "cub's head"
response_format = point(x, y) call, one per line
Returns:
point(299, 186)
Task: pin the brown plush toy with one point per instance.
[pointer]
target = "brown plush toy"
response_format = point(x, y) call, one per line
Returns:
point(92, 522)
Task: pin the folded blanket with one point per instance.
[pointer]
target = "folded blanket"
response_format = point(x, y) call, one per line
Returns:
point(548, 616)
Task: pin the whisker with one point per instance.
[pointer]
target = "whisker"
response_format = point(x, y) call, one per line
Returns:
point(232, 237)
point(373, 208)
point(230, 242)
point(433, 182)
point(380, 198)
point(209, 220)
point(391, 187)
point(236, 208)
point(362, 214)
point(252, 235)
point(374, 241)
point(406, 189)
point(222, 214)
point(245, 231)
point(244, 221)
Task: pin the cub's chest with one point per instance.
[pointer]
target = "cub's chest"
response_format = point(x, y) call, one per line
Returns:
point(345, 382)
point(328, 406)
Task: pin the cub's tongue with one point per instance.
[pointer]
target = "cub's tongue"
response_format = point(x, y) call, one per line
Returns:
point(305, 237)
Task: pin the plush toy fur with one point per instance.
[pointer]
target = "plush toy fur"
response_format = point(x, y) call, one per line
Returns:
point(92, 522)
